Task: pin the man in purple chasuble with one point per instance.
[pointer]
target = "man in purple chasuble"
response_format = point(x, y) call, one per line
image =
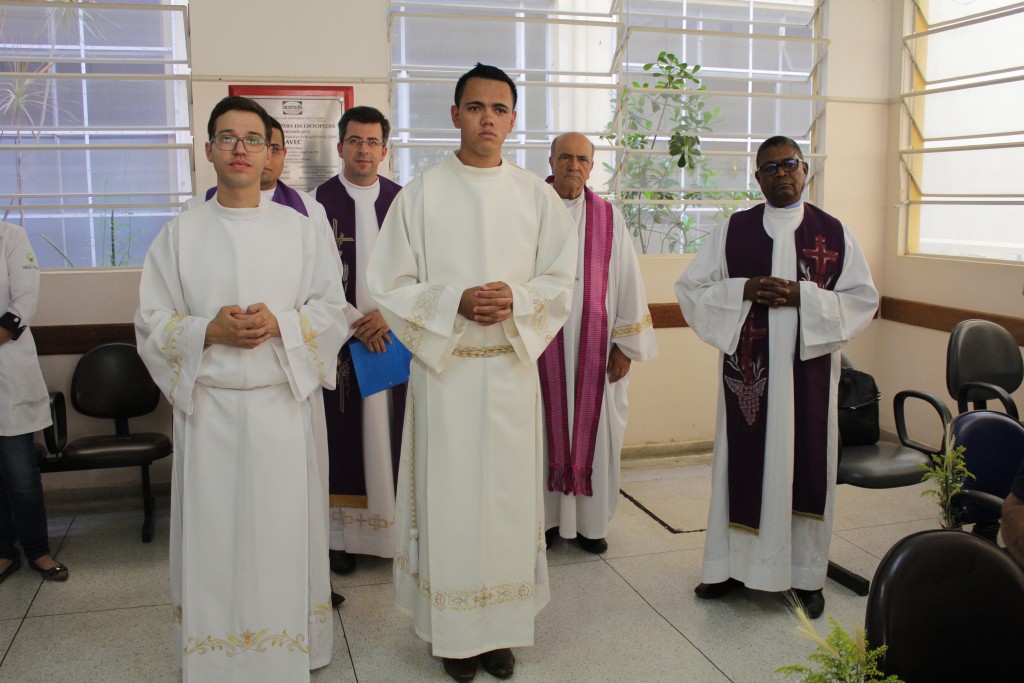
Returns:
point(585, 371)
point(779, 290)
point(364, 435)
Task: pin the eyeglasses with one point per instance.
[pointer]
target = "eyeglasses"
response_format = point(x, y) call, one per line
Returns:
point(372, 143)
point(772, 167)
point(227, 143)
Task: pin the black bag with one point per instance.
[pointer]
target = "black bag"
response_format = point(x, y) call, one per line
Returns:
point(858, 408)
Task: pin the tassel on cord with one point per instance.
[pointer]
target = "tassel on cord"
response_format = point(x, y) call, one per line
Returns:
point(414, 551)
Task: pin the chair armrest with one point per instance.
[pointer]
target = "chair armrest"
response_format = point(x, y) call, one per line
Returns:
point(986, 500)
point(56, 435)
point(997, 393)
point(899, 408)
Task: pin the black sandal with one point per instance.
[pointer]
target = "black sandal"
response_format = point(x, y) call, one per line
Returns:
point(14, 566)
point(58, 573)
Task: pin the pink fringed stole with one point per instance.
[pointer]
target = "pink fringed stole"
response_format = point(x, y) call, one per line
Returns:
point(570, 468)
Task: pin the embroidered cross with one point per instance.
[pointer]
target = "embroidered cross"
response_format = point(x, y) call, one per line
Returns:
point(339, 238)
point(748, 335)
point(822, 257)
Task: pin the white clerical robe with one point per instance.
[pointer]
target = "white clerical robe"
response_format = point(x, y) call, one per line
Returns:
point(790, 551)
point(369, 530)
point(318, 465)
point(470, 564)
point(240, 536)
point(629, 328)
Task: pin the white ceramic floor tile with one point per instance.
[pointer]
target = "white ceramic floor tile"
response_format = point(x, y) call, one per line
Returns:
point(8, 627)
point(94, 647)
point(878, 539)
point(110, 567)
point(747, 634)
point(681, 500)
point(340, 669)
point(859, 507)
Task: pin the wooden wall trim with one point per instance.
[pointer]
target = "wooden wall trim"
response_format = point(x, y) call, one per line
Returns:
point(943, 318)
point(54, 340)
point(77, 339)
point(666, 315)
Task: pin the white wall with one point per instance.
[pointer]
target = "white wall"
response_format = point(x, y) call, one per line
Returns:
point(672, 396)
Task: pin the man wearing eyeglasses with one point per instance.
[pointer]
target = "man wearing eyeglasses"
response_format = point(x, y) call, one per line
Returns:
point(585, 371)
point(364, 434)
point(273, 189)
point(778, 289)
point(241, 315)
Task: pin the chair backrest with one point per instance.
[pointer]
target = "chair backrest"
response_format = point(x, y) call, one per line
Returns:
point(111, 381)
point(949, 607)
point(982, 351)
point(994, 449)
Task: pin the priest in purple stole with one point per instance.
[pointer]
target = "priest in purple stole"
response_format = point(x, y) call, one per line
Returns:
point(778, 290)
point(585, 371)
point(364, 435)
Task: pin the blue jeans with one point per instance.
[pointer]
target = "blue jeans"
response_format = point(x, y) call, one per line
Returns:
point(22, 512)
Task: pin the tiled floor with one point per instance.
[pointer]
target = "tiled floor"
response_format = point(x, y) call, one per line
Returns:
point(629, 615)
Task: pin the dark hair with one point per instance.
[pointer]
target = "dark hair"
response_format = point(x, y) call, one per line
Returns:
point(777, 141)
point(236, 103)
point(492, 73)
point(275, 125)
point(364, 115)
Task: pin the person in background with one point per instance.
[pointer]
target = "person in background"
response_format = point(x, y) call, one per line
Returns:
point(24, 409)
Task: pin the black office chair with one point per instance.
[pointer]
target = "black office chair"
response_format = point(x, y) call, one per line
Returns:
point(885, 465)
point(948, 607)
point(111, 381)
point(983, 362)
point(993, 451)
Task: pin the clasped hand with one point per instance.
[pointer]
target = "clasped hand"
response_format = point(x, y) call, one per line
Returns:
point(245, 329)
point(487, 304)
point(772, 291)
point(372, 331)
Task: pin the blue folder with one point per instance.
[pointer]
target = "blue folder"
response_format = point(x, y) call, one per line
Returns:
point(379, 371)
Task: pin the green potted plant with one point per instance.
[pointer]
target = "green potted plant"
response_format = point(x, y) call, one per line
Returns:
point(838, 657)
point(949, 472)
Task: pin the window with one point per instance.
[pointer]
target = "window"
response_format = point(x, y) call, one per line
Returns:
point(579, 65)
point(95, 134)
point(963, 140)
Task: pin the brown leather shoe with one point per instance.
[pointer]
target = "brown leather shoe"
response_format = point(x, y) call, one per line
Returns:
point(460, 669)
point(499, 663)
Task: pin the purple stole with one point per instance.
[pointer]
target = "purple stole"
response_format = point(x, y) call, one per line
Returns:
point(283, 195)
point(820, 249)
point(570, 468)
point(344, 406)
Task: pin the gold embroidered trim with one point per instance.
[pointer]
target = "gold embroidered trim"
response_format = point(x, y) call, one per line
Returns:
point(540, 314)
point(172, 330)
point(322, 612)
point(809, 515)
point(634, 329)
point(375, 522)
point(236, 644)
point(422, 311)
point(177, 613)
point(744, 527)
point(349, 501)
point(472, 599)
point(482, 351)
point(309, 338)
